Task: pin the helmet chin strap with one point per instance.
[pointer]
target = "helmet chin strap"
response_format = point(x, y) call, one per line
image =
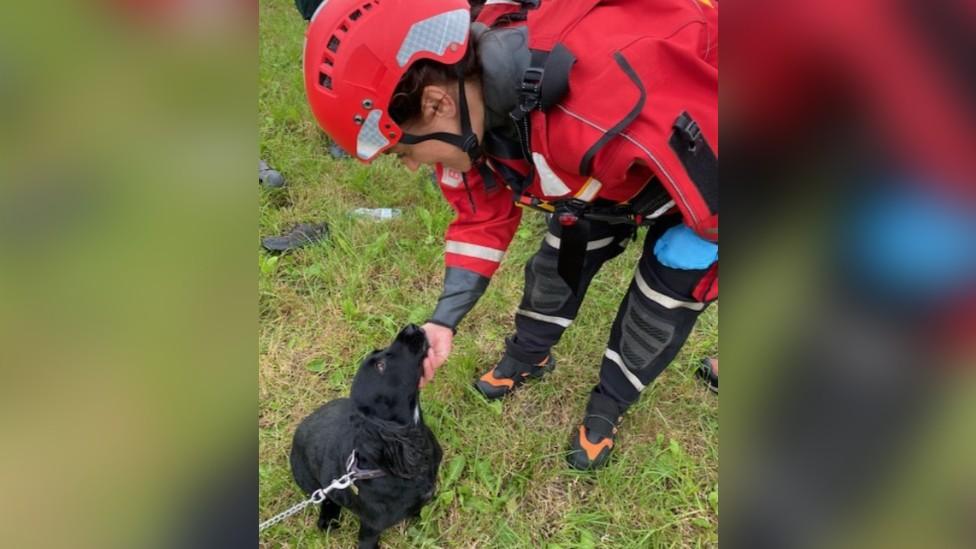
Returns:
point(467, 141)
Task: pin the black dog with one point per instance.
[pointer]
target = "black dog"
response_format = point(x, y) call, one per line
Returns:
point(382, 422)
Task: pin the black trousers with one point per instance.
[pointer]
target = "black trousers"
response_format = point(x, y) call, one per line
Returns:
point(652, 323)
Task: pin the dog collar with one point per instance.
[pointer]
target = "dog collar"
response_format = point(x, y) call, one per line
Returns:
point(352, 468)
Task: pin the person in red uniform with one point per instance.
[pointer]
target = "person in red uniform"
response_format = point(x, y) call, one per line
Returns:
point(601, 113)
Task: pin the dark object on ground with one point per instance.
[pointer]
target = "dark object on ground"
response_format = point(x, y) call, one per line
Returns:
point(337, 152)
point(382, 422)
point(269, 177)
point(707, 373)
point(302, 234)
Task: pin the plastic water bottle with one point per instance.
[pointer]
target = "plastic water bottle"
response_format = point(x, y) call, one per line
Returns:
point(378, 214)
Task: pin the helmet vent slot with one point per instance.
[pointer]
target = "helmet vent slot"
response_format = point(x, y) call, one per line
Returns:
point(355, 15)
point(333, 45)
point(325, 80)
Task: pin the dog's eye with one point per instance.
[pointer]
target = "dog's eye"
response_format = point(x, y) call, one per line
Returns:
point(380, 365)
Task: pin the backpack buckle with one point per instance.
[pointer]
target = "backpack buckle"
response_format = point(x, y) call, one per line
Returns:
point(530, 90)
point(689, 130)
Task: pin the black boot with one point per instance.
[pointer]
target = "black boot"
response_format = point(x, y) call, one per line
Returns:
point(592, 441)
point(511, 372)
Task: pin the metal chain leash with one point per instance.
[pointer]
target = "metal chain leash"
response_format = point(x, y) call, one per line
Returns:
point(318, 496)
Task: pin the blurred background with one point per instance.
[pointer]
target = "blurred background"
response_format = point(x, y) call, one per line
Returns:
point(128, 353)
point(128, 324)
point(850, 259)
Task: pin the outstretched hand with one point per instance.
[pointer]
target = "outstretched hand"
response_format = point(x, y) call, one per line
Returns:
point(441, 340)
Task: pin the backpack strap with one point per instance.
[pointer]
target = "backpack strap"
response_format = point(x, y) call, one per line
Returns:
point(545, 81)
point(697, 157)
point(586, 164)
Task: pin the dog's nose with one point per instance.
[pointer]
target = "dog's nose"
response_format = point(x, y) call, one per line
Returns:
point(413, 336)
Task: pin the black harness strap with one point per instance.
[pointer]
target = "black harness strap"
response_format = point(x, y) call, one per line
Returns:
point(573, 240)
point(697, 157)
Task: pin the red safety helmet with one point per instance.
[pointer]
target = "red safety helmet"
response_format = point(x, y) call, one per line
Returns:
point(356, 51)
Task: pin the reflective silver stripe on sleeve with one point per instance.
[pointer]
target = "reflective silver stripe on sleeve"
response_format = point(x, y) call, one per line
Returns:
point(474, 250)
point(554, 241)
point(615, 358)
point(663, 300)
point(564, 322)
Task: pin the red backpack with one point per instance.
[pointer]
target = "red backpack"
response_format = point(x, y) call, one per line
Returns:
point(641, 71)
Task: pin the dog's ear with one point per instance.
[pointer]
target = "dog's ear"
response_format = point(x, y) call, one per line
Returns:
point(403, 452)
point(404, 455)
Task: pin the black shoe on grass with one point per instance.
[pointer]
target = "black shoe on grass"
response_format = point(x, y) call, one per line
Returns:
point(270, 178)
point(302, 234)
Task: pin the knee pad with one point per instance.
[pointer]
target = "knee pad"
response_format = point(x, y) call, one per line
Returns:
point(644, 333)
point(545, 290)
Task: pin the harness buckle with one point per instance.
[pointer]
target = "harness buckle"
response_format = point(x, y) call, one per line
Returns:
point(570, 212)
point(568, 219)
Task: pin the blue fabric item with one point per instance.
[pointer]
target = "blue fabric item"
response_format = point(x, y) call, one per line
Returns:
point(912, 243)
point(680, 248)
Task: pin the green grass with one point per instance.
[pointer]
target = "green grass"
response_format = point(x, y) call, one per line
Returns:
point(503, 482)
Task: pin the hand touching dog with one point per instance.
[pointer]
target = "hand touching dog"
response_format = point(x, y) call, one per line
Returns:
point(441, 341)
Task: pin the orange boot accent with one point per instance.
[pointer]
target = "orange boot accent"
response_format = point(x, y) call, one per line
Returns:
point(490, 379)
point(593, 450)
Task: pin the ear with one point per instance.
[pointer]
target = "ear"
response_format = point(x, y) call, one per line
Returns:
point(402, 455)
point(437, 102)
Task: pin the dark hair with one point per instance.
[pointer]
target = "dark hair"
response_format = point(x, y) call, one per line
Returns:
point(405, 103)
point(404, 451)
